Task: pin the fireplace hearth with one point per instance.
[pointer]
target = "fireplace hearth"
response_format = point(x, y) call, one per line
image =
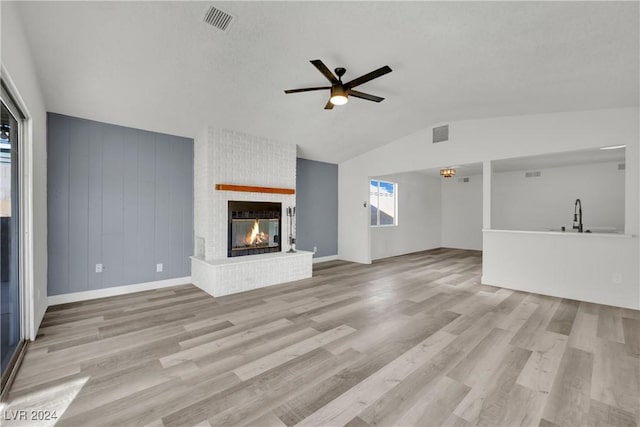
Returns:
point(254, 228)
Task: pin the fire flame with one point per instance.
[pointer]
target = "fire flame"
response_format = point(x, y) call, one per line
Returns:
point(255, 236)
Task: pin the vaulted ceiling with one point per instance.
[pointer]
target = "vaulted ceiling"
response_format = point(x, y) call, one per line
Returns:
point(157, 66)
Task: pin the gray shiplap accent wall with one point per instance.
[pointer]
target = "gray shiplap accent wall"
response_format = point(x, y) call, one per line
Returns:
point(317, 207)
point(120, 197)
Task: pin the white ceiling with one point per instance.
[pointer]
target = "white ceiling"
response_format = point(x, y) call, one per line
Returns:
point(534, 163)
point(555, 160)
point(157, 66)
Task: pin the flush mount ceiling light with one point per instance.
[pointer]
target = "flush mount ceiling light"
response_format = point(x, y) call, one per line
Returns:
point(447, 172)
point(613, 147)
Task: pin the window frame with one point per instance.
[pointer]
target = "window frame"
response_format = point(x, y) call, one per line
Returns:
point(395, 203)
point(24, 217)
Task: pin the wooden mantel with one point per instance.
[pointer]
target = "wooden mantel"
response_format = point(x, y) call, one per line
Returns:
point(246, 188)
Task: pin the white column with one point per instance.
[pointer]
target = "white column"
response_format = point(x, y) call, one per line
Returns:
point(486, 194)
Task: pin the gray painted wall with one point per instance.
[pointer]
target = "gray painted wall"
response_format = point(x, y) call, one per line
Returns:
point(317, 207)
point(120, 197)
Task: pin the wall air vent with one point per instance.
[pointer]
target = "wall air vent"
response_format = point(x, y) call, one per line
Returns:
point(441, 134)
point(463, 179)
point(218, 18)
point(532, 174)
point(622, 166)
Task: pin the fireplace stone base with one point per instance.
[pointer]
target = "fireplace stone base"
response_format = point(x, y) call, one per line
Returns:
point(228, 276)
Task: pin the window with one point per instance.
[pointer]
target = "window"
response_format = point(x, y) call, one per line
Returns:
point(383, 202)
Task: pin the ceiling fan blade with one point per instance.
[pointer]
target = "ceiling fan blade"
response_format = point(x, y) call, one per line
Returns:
point(363, 95)
point(329, 105)
point(369, 76)
point(325, 71)
point(306, 89)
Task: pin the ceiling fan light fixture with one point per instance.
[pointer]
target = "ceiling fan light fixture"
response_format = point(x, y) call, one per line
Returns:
point(338, 96)
point(340, 92)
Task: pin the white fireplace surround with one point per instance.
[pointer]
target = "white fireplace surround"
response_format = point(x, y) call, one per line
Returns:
point(230, 157)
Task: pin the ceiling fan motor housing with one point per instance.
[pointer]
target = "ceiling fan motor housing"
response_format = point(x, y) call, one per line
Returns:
point(338, 90)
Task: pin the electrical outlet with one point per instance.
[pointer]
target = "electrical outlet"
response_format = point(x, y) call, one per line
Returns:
point(315, 249)
point(98, 268)
point(159, 268)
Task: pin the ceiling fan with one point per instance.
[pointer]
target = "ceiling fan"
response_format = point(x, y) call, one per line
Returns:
point(340, 91)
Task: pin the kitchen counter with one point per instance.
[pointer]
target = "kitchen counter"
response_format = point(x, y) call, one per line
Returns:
point(565, 233)
point(593, 267)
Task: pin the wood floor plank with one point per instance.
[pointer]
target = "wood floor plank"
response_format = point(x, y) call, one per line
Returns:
point(631, 328)
point(268, 420)
point(569, 400)
point(610, 324)
point(523, 407)
point(616, 377)
point(584, 330)
point(158, 393)
point(473, 368)
point(296, 350)
point(455, 421)
point(203, 348)
point(411, 394)
point(209, 406)
point(601, 414)
point(255, 407)
point(541, 368)
point(136, 381)
point(350, 404)
point(409, 340)
point(484, 404)
point(433, 406)
point(514, 320)
point(539, 320)
point(227, 361)
point(562, 320)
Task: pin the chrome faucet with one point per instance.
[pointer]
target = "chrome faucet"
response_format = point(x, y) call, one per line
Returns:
point(577, 216)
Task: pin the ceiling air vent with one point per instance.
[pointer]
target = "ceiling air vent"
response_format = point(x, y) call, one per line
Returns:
point(218, 18)
point(463, 179)
point(532, 174)
point(621, 166)
point(441, 134)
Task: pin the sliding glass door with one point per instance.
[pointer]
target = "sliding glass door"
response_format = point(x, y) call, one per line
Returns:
point(10, 291)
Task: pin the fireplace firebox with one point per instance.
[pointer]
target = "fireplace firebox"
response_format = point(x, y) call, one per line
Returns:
point(254, 228)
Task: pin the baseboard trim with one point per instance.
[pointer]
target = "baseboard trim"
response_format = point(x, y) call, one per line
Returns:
point(325, 258)
point(118, 290)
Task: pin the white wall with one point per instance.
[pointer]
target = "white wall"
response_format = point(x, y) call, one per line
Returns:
point(462, 213)
point(353, 214)
point(485, 139)
point(520, 203)
point(419, 217)
point(18, 65)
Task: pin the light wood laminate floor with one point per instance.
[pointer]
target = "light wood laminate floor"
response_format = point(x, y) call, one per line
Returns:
point(411, 340)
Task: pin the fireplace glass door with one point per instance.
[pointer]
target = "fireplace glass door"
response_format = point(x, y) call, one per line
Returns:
point(254, 228)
